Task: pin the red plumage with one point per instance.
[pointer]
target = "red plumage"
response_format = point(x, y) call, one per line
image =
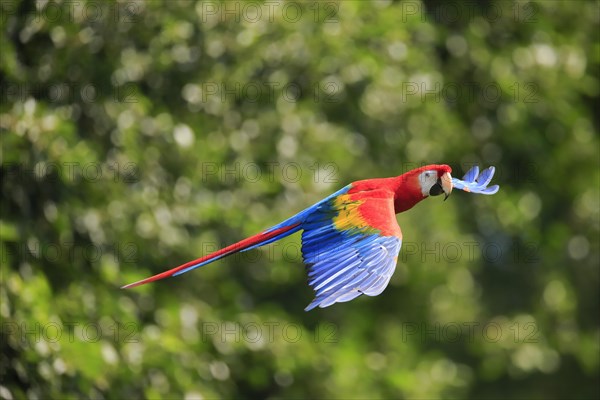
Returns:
point(405, 188)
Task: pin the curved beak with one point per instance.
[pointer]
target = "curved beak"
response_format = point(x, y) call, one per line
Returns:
point(446, 184)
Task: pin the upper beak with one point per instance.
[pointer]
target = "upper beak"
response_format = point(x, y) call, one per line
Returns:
point(446, 184)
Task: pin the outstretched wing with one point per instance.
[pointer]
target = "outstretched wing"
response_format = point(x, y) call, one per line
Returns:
point(476, 182)
point(350, 246)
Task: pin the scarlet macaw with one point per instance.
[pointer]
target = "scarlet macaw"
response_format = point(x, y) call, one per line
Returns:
point(351, 239)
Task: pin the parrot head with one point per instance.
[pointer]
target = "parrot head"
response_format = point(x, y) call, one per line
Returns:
point(420, 183)
point(435, 180)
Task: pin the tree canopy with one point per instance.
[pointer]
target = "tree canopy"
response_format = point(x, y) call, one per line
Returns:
point(138, 135)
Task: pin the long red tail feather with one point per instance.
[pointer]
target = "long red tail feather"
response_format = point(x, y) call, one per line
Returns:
point(224, 252)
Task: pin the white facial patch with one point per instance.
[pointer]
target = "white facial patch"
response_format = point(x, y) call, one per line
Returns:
point(427, 179)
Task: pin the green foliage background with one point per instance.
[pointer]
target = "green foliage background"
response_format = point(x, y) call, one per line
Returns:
point(167, 97)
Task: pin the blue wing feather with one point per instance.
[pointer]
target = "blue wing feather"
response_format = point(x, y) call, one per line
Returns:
point(471, 174)
point(344, 264)
point(476, 182)
point(363, 279)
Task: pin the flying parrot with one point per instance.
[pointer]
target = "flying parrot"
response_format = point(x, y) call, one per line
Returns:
point(351, 239)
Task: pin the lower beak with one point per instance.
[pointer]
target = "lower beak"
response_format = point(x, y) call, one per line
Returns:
point(447, 184)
